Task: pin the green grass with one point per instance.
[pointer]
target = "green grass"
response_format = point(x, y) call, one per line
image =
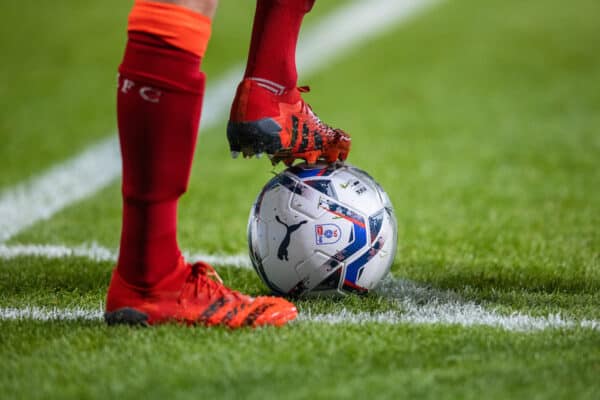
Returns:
point(480, 120)
point(297, 362)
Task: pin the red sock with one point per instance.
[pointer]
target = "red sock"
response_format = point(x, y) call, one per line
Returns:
point(274, 37)
point(158, 106)
point(159, 101)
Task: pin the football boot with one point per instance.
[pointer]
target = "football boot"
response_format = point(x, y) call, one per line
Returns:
point(192, 294)
point(270, 118)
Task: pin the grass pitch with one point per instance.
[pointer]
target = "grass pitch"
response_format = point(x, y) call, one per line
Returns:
point(480, 120)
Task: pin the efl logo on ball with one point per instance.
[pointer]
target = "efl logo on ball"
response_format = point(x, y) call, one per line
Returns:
point(327, 233)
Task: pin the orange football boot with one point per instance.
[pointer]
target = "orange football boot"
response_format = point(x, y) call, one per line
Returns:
point(270, 118)
point(195, 295)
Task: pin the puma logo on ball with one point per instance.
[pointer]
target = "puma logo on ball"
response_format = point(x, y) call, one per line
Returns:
point(282, 253)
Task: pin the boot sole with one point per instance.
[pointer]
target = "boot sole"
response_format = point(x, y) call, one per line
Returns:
point(126, 316)
point(254, 137)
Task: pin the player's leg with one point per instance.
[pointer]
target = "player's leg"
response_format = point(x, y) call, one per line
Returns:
point(159, 100)
point(158, 109)
point(268, 114)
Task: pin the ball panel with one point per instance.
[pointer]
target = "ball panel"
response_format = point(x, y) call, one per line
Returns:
point(378, 259)
point(324, 186)
point(258, 234)
point(316, 269)
point(355, 191)
point(306, 201)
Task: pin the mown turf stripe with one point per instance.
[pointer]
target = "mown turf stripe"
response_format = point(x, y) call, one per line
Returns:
point(83, 175)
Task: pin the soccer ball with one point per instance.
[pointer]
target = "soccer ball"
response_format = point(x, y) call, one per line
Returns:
point(322, 229)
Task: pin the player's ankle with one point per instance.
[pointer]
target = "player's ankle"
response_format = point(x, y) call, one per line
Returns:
point(270, 85)
point(254, 99)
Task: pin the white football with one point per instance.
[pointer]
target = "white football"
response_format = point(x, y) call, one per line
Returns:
point(322, 229)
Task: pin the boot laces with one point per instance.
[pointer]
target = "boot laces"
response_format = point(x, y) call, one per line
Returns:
point(204, 280)
point(321, 127)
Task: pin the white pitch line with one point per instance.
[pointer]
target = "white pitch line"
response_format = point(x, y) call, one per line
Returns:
point(358, 22)
point(83, 175)
point(93, 251)
point(97, 253)
point(68, 182)
point(419, 305)
point(443, 316)
point(414, 315)
point(50, 313)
